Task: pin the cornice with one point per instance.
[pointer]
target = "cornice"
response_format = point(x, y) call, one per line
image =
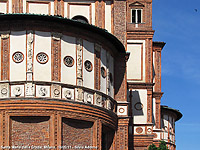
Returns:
point(158, 94)
point(136, 85)
point(158, 46)
point(166, 109)
point(140, 34)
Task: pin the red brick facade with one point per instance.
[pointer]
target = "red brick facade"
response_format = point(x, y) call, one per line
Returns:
point(75, 116)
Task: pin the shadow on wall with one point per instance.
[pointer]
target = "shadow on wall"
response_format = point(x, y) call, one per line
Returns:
point(137, 104)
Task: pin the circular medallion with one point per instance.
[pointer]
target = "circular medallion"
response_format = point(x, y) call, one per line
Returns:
point(42, 58)
point(121, 110)
point(43, 91)
point(68, 61)
point(18, 57)
point(88, 65)
point(155, 135)
point(68, 94)
point(56, 92)
point(138, 106)
point(103, 72)
point(4, 91)
point(139, 130)
point(17, 91)
point(149, 130)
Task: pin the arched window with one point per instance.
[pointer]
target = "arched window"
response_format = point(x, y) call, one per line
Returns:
point(80, 18)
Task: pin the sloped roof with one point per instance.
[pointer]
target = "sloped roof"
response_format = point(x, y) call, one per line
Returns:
point(177, 112)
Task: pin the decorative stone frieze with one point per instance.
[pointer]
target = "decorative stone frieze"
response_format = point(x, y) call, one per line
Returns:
point(17, 90)
point(109, 104)
point(42, 91)
point(98, 99)
point(4, 88)
point(68, 93)
point(29, 89)
point(88, 98)
point(55, 91)
point(79, 95)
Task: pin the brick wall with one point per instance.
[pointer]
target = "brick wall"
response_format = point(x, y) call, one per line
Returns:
point(28, 131)
point(120, 20)
point(76, 132)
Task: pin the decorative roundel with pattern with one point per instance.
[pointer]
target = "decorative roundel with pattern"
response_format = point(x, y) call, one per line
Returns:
point(121, 110)
point(18, 57)
point(88, 65)
point(103, 72)
point(56, 92)
point(139, 130)
point(155, 135)
point(68, 61)
point(4, 91)
point(149, 130)
point(42, 58)
point(138, 106)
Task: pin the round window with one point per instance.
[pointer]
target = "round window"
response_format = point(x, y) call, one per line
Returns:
point(42, 58)
point(68, 61)
point(103, 72)
point(18, 57)
point(138, 106)
point(88, 65)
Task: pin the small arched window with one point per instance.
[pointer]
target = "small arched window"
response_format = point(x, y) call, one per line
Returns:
point(80, 19)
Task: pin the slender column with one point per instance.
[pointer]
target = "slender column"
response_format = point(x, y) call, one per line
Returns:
point(97, 66)
point(56, 54)
point(149, 61)
point(5, 51)
point(158, 111)
point(149, 105)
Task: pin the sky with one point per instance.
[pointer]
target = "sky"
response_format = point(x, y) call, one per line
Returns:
point(177, 22)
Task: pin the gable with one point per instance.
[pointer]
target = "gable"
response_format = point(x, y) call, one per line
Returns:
point(136, 4)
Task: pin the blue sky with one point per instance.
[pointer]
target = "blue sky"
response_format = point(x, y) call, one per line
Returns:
point(177, 23)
